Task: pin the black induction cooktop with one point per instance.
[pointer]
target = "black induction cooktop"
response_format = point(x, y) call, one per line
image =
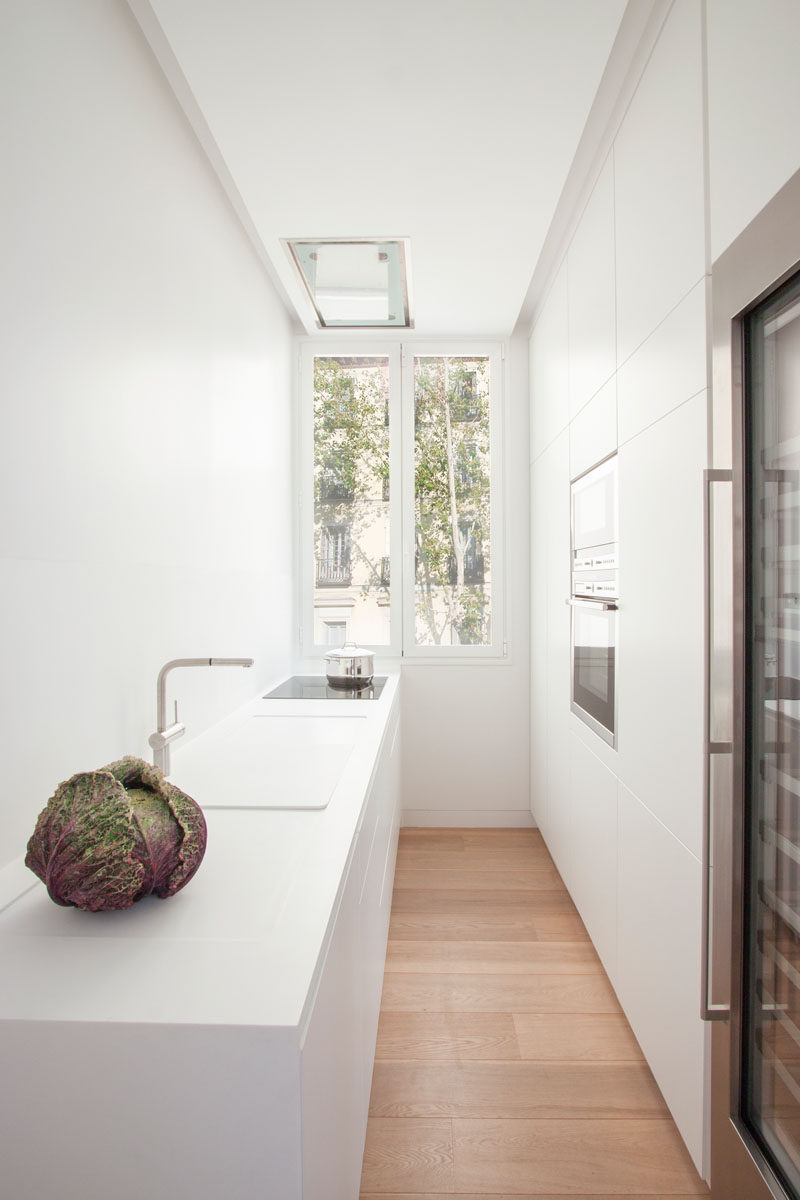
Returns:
point(316, 687)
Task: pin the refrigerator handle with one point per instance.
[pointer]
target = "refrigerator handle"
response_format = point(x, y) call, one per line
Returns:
point(718, 748)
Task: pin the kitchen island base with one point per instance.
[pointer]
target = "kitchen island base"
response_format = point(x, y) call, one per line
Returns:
point(184, 1091)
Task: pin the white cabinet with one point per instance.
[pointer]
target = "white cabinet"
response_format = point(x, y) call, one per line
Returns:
point(668, 368)
point(628, 306)
point(752, 82)
point(658, 183)
point(660, 885)
point(101, 1109)
point(221, 1043)
point(593, 848)
point(660, 673)
point(592, 297)
point(593, 433)
point(539, 706)
point(331, 1115)
point(339, 1045)
point(375, 902)
point(558, 673)
point(549, 367)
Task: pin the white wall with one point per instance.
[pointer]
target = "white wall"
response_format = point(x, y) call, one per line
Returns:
point(145, 364)
point(753, 107)
point(618, 360)
point(466, 727)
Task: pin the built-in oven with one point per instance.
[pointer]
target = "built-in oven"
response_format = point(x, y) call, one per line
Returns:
point(593, 599)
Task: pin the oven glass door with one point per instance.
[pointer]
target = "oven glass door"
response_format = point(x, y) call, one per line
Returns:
point(594, 506)
point(594, 666)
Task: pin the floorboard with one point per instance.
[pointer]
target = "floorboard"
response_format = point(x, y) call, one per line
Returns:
point(526, 924)
point(513, 1196)
point(446, 1037)
point(505, 957)
point(515, 1089)
point(504, 1065)
point(456, 992)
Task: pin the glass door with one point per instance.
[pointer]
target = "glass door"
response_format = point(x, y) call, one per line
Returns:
point(751, 847)
point(770, 1028)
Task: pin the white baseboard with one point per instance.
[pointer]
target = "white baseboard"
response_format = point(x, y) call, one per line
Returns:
point(459, 818)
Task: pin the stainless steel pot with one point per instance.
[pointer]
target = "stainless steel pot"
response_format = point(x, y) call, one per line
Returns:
point(350, 666)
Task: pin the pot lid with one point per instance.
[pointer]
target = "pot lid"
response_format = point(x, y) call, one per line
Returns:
point(348, 651)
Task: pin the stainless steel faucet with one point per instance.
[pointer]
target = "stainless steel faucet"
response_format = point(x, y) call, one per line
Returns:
point(160, 740)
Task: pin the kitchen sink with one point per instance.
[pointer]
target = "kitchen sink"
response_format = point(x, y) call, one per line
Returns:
point(266, 762)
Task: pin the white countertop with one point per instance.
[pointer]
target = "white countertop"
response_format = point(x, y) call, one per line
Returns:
point(241, 943)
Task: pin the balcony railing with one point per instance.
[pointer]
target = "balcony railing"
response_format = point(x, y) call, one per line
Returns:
point(333, 574)
point(464, 410)
point(464, 405)
point(473, 568)
point(331, 487)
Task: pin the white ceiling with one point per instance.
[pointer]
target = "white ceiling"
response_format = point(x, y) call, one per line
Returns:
point(451, 122)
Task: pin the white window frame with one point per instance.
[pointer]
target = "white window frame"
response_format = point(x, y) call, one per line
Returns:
point(401, 499)
point(334, 348)
point(412, 349)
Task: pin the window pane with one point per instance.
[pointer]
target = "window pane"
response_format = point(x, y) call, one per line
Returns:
point(351, 498)
point(452, 593)
point(335, 633)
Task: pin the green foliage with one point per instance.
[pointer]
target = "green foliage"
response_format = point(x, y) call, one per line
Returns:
point(451, 496)
point(351, 451)
point(351, 437)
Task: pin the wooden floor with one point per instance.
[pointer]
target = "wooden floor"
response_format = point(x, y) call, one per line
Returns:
point(504, 1064)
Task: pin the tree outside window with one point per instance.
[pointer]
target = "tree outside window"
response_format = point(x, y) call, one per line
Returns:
point(452, 501)
point(351, 475)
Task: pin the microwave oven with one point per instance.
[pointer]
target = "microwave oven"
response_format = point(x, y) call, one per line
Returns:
point(594, 506)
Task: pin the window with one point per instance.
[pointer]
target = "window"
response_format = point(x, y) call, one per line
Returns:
point(349, 396)
point(402, 448)
point(335, 633)
point(464, 399)
point(452, 500)
point(333, 486)
point(333, 559)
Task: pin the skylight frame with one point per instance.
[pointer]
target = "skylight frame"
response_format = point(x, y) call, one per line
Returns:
point(399, 292)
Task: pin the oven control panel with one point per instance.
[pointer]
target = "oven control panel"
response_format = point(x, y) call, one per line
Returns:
point(606, 588)
point(604, 558)
point(594, 572)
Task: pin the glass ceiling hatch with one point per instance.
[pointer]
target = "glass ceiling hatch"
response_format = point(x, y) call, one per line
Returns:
point(355, 283)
